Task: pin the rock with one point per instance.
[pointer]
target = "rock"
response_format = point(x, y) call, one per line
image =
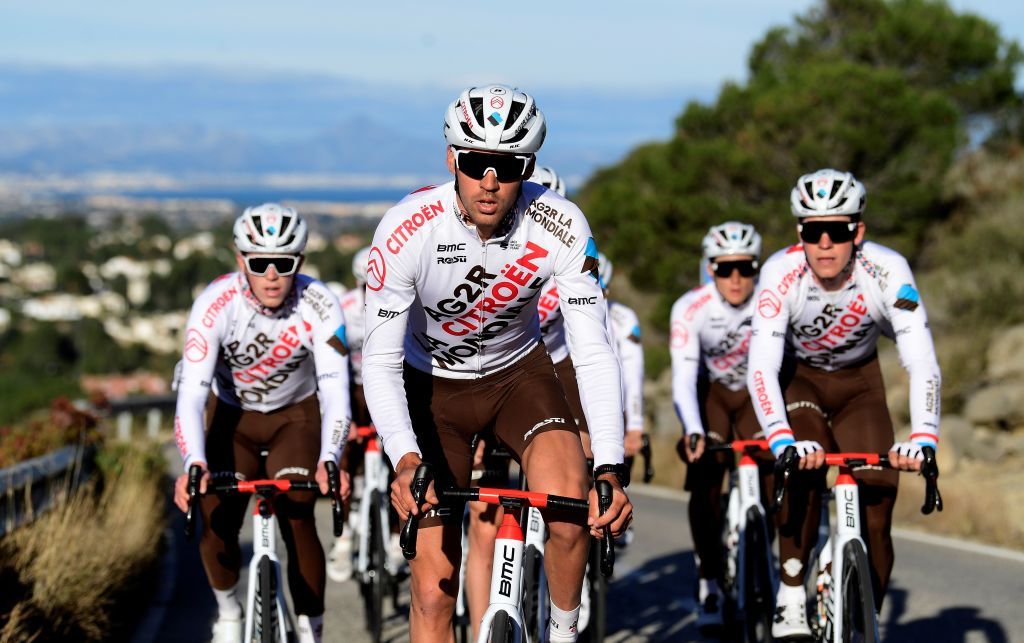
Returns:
point(1006, 354)
point(1000, 405)
point(986, 446)
point(955, 434)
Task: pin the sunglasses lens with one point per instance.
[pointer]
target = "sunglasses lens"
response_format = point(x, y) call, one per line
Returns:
point(838, 231)
point(724, 269)
point(283, 265)
point(476, 164)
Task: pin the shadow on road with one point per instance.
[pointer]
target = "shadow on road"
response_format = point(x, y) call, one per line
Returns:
point(655, 601)
point(951, 625)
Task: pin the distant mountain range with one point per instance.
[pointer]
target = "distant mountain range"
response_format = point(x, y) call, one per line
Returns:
point(200, 121)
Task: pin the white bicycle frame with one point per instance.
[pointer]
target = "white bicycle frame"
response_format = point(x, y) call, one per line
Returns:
point(506, 580)
point(375, 477)
point(264, 545)
point(744, 496)
point(846, 498)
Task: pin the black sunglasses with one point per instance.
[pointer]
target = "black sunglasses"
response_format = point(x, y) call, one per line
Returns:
point(724, 269)
point(506, 167)
point(258, 265)
point(838, 231)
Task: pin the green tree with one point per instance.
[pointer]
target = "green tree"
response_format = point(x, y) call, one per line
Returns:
point(885, 89)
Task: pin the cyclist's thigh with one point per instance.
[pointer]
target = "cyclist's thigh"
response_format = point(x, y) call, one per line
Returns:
point(232, 456)
point(435, 569)
point(863, 424)
point(806, 409)
point(444, 417)
point(293, 447)
point(566, 373)
point(708, 471)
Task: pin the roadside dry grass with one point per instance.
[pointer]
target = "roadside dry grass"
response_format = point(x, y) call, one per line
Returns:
point(77, 573)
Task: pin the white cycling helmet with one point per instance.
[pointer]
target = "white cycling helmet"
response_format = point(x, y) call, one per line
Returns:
point(731, 238)
point(495, 118)
point(546, 176)
point(271, 229)
point(604, 269)
point(826, 193)
point(359, 265)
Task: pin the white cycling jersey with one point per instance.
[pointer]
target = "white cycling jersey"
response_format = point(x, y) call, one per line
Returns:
point(832, 330)
point(458, 307)
point(552, 324)
point(626, 334)
point(353, 305)
point(262, 360)
point(708, 335)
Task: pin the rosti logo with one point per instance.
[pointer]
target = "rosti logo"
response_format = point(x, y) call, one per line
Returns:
point(376, 269)
point(680, 336)
point(404, 231)
point(196, 347)
point(768, 304)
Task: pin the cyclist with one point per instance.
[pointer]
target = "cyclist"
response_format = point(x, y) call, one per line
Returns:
point(710, 337)
point(453, 346)
point(259, 345)
point(814, 374)
point(339, 560)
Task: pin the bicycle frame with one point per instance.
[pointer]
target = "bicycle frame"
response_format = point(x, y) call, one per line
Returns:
point(375, 478)
point(846, 528)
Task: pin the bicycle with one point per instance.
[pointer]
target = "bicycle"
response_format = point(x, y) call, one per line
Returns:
point(267, 618)
point(750, 575)
point(503, 621)
point(849, 613)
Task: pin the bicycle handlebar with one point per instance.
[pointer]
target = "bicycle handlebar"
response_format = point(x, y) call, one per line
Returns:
point(505, 497)
point(740, 446)
point(789, 460)
point(645, 451)
point(263, 486)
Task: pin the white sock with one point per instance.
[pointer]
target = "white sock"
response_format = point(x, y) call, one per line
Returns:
point(562, 624)
point(227, 603)
point(789, 595)
point(310, 629)
point(707, 587)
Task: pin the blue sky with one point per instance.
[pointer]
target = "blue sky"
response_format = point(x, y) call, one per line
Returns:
point(654, 45)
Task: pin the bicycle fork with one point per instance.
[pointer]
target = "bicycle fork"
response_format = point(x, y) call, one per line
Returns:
point(265, 561)
point(506, 578)
point(846, 497)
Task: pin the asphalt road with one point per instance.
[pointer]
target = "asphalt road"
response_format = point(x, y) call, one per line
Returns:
point(938, 593)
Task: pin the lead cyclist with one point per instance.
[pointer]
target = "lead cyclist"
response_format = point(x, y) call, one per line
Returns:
point(814, 376)
point(453, 346)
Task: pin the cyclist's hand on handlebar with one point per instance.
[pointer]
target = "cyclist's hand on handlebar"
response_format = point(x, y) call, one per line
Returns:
point(401, 488)
point(618, 516)
point(906, 456)
point(181, 487)
point(689, 449)
point(344, 482)
point(811, 454)
point(632, 442)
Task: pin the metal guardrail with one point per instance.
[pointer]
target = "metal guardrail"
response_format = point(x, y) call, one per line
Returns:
point(30, 488)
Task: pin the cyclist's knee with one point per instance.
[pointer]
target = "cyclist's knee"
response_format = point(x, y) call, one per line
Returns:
point(566, 534)
point(432, 597)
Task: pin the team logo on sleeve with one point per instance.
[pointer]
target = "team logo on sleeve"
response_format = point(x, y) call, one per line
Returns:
point(195, 346)
point(907, 298)
point(680, 336)
point(376, 270)
point(768, 304)
point(338, 342)
point(634, 335)
point(590, 263)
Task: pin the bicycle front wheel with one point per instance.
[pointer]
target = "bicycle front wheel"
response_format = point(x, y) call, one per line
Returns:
point(501, 628)
point(378, 572)
point(858, 597)
point(266, 602)
point(534, 593)
point(757, 587)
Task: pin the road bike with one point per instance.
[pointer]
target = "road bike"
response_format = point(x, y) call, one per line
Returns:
point(378, 576)
point(842, 589)
point(267, 618)
point(750, 578)
point(503, 622)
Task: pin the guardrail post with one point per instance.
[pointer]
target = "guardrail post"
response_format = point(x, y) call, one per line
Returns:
point(153, 417)
point(124, 426)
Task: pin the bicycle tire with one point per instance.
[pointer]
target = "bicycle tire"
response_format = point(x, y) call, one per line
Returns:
point(858, 597)
point(378, 570)
point(758, 593)
point(597, 627)
point(501, 628)
point(532, 594)
point(266, 602)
